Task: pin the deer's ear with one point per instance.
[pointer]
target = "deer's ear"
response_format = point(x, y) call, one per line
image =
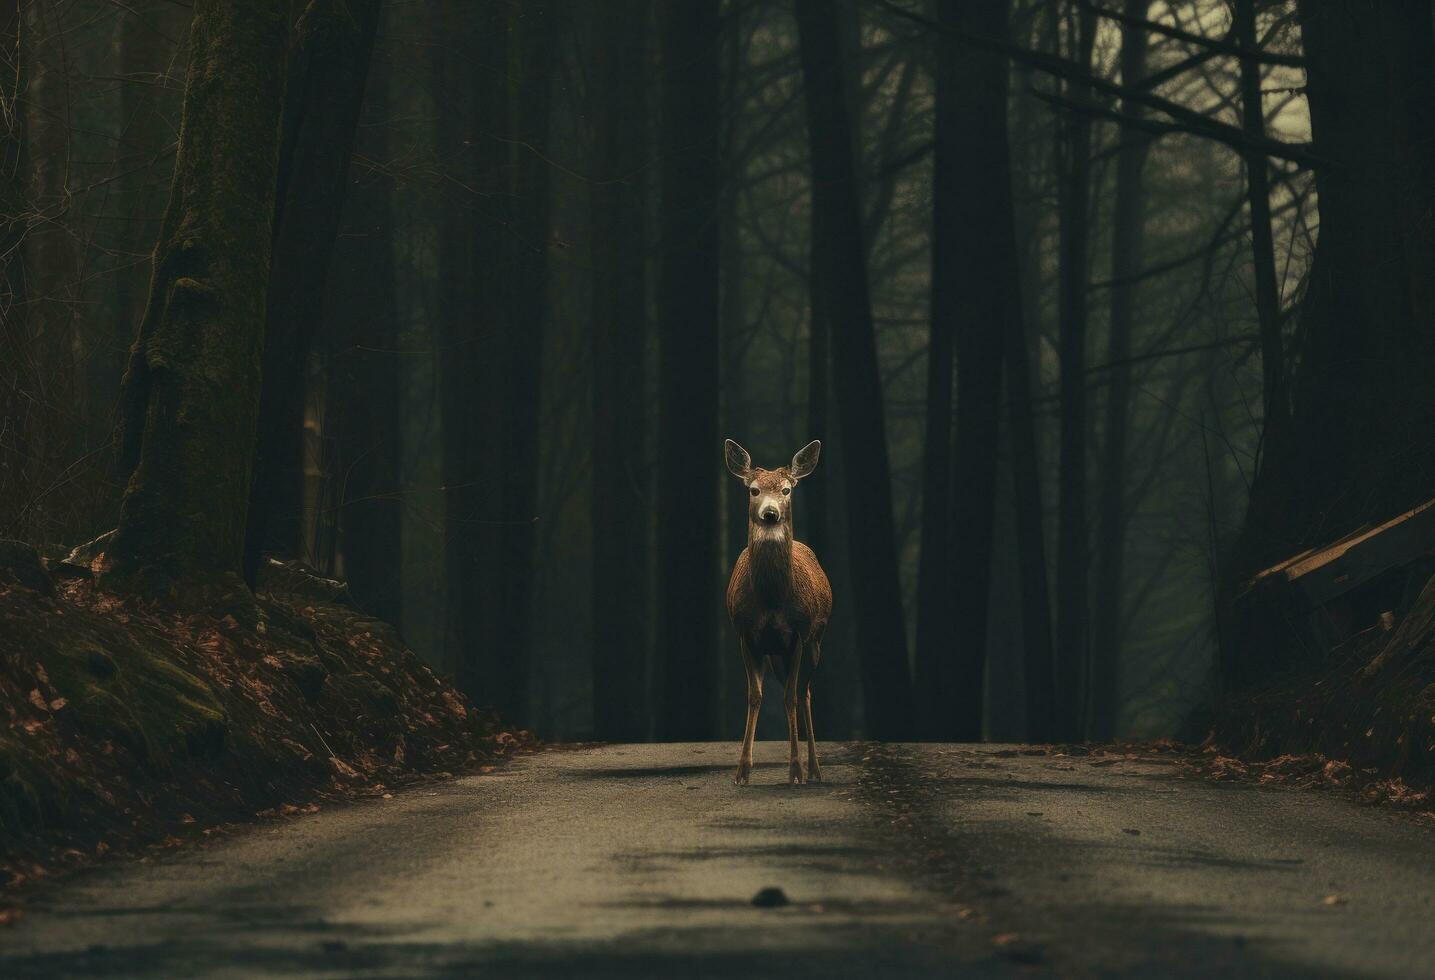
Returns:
point(739, 463)
point(806, 460)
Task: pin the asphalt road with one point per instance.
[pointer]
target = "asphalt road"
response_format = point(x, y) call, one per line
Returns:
point(641, 861)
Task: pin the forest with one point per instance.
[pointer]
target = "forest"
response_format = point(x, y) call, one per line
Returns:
point(1099, 309)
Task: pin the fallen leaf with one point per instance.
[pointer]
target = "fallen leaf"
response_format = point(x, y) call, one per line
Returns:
point(1332, 900)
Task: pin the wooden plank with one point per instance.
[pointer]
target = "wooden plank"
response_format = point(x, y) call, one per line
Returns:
point(1319, 576)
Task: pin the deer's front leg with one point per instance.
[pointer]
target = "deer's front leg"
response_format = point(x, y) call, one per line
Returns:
point(754, 703)
point(814, 655)
point(814, 771)
point(795, 774)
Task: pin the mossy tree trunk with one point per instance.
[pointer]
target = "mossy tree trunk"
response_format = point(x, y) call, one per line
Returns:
point(150, 41)
point(191, 391)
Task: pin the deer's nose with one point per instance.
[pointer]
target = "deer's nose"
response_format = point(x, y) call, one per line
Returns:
point(769, 514)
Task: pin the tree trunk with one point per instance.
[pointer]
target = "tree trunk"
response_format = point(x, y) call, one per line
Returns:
point(1038, 665)
point(15, 348)
point(620, 313)
point(365, 386)
point(52, 255)
point(1072, 559)
point(1361, 443)
point(689, 461)
point(836, 685)
point(194, 369)
point(816, 503)
point(534, 37)
point(737, 409)
point(1126, 255)
point(935, 645)
point(1262, 247)
point(981, 182)
point(493, 256)
point(880, 620)
point(150, 43)
point(321, 108)
point(469, 72)
point(1267, 504)
point(815, 507)
point(970, 178)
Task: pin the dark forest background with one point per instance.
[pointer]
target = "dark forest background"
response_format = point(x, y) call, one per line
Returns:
point(1096, 308)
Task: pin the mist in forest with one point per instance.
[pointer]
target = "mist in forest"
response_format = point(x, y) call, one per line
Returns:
point(1041, 275)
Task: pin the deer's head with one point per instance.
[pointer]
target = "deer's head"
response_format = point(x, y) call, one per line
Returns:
point(769, 505)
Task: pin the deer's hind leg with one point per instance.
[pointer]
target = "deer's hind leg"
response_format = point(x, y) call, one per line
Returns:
point(753, 668)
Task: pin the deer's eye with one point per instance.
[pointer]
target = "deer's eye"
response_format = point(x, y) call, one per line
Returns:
point(753, 490)
point(786, 491)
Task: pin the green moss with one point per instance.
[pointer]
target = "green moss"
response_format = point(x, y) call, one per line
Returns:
point(136, 696)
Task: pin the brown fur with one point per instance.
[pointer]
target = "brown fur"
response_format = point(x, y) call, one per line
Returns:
point(800, 603)
point(779, 601)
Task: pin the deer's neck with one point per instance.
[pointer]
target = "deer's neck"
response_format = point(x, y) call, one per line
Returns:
point(769, 555)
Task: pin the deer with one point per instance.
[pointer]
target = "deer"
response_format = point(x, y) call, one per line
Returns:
point(779, 601)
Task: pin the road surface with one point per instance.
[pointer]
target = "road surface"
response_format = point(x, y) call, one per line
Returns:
point(642, 861)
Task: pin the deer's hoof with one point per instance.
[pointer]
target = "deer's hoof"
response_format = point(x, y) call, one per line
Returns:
point(744, 770)
point(814, 775)
point(795, 776)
